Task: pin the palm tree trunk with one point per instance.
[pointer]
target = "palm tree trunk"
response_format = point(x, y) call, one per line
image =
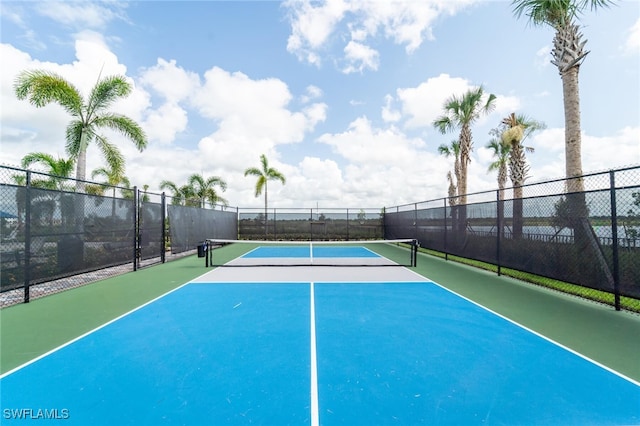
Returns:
point(81, 165)
point(573, 141)
point(573, 144)
point(517, 212)
point(465, 159)
point(266, 216)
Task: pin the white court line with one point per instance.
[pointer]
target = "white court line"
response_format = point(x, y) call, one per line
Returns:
point(315, 421)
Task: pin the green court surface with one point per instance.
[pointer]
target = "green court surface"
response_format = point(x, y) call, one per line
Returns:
point(593, 330)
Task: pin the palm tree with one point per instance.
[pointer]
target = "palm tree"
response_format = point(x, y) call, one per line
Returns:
point(567, 55)
point(501, 154)
point(89, 117)
point(58, 169)
point(461, 113)
point(204, 189)
point(452, 150)
point(264, 173)
point(452, 191)
point(114, 178)
point(515, 130)
point(177, 197)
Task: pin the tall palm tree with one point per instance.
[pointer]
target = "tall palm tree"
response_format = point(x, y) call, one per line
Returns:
point(500, 153)
point(516, 128)
point(264, 173)
point(461, 113)
point(204, 189)
point(58, 169)
point(567, 55)
point(452, 150)
point(42, 87)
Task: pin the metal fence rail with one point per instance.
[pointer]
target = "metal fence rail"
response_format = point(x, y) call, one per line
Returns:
point(540, 234)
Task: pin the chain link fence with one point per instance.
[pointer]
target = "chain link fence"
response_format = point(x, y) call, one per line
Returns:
point(328, 224)
point(585, 243)
point(54, 231)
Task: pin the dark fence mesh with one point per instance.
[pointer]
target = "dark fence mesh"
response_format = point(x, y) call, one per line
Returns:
point(190, 226)
point(310, 224)
point(57, 231)
point(49, 232)
point(589, 240)
point(151, 225)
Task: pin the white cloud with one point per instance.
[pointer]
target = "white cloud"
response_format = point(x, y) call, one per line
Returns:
point(596, 157)
point(385, 166)
point(543, 57)
point(253, 109)
point(170, 81)
point(424, 103)
point(404, 22)
point(389, 114)
point(164, 123)
point(360, 57)
point(632, 45)
point(549, 159)
point(81, 14)
point(313, 181)
point(312, 92)
point(311, 26)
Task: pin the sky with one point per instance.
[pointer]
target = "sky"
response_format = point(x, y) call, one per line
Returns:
point(340, 95)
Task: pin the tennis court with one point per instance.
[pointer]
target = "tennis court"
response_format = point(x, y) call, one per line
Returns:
point(264, 343)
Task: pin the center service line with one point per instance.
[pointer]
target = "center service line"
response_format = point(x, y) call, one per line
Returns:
point(314, 363)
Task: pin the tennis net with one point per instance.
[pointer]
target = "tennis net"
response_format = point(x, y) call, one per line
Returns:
point(220, 252)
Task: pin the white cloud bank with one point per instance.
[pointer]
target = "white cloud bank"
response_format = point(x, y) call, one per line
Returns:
point(317, 25)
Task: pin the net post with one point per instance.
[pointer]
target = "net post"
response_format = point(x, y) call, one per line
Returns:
point(206, 255)
point(414, 253)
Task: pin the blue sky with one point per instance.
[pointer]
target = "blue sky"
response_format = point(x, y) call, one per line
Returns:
point(339, 94)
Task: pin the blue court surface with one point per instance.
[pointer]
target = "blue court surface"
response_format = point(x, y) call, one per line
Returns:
point(307, 353)
point(309, 251)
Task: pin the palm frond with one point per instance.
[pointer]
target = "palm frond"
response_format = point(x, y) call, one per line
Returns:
point(123, 125)
point(106, 92)
point(112, 155)
point(44, 87)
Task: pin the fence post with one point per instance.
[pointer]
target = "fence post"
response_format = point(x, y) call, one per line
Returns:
point(27, 238)
point(500, 213)
point(163, 218)
point(614, 235)
point(415, 220)
point(136, 228)
point(275, 219)
point(347, 224)
point(446, 252)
